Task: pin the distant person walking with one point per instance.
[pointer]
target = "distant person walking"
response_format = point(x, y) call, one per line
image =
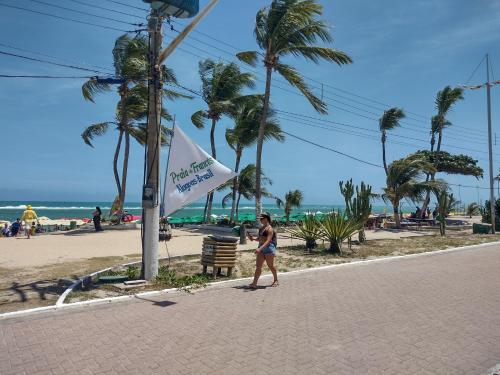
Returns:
point(96, 218)
point(29, 217)
point(266, 250)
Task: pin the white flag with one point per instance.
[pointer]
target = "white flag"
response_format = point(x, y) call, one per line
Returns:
point(191, 173)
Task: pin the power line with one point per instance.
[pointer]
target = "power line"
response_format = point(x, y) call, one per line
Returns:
point(472, 132)
point(54, 57)
point(67, 19)
point(126, 5)
point(85, 13)
point(332, 150)
point(332, 105)
point(475, 70)
point(42, 76)
point(108, 9)
point(50, 62)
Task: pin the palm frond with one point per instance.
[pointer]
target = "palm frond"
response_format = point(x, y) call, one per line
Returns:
point(92, 87)
point(248, 57)
point(199, 118)
point(295, 79)
point(391, 118)
point(93, 131)
point(315, 53)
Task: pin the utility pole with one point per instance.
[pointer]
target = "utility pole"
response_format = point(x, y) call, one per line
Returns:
point(150, 197)
point(490, 145)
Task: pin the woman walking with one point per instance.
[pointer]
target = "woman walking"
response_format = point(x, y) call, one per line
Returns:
point(266, 250)
point(97, 219)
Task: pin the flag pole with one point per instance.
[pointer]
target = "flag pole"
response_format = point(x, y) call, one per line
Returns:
point(162, 203)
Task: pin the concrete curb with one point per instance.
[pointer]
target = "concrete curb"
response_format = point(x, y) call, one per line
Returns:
point(219, 284)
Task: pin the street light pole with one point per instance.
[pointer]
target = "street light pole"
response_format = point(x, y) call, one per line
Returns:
point(150, 198)
point(490, 145)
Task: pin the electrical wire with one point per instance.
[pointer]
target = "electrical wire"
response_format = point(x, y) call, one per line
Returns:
point(126, 5)
point(473, 133)
point(475, 70)
point(104, 8)
point(68, 19)
point(331, 149)
point(55, 57)
point(42, 76)
point(85, 13)
point(51, 62)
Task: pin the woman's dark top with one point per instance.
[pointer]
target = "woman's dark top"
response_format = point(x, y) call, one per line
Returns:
point(263, 233)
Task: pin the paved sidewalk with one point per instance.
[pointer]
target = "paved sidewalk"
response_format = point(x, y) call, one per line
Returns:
point(437, 314)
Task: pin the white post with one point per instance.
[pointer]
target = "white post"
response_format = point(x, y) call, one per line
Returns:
point(151, 198)
point(490, 146)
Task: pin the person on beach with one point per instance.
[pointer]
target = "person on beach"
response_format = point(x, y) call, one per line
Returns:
point(29, 216)
point(5, 230)
point(96, 218)
point(15, 227)
point(266, 250)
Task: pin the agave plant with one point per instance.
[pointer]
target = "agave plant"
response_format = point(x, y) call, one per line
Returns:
point(336, 228)
point(308, 230)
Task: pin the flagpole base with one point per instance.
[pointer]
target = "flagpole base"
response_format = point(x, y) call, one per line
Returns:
point(151, 238)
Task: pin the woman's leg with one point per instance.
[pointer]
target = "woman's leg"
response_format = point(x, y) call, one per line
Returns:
point(258, 269)
point(270, 264)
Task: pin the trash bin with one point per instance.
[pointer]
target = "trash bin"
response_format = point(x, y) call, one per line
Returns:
point(72, 224)
point(218, 253)
point(481, 228)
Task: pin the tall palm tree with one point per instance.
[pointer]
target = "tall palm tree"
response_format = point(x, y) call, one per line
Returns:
point(247, 117)
point(403, 182)
point(246, 188)
point(222, 85)
point(389, 120)
point(445, 100)
point(130, 58)
point(292, 199)
point(289, 27)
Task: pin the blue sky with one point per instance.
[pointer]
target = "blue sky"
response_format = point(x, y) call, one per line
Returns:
point(403, 52)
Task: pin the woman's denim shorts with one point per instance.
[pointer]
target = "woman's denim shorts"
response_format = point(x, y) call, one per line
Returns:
point(269, 249)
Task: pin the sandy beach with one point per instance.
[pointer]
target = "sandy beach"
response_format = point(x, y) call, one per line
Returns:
point(83, 245)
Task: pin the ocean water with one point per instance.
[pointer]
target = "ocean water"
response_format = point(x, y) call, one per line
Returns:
point(10, 210)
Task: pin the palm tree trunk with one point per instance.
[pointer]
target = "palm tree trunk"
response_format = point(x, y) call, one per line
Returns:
point(396, 215)
point(115, 163)
point(238, 204)
point(260, 143)
point(125, 169)
point(214, 155)
point(383, 151)
point(427, 199)
point(440, 138)
point(235, 186)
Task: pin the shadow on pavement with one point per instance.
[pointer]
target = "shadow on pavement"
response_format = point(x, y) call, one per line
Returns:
point(157, 303)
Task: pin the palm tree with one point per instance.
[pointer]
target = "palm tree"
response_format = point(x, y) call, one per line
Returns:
point(221, 87)
point(389, 120)
point(403, 181)
point(288, 27)
point(245, 133)
point(130, 57)
point(445, 100)
point(292, 199)
point(472, 209)
point(246, 187)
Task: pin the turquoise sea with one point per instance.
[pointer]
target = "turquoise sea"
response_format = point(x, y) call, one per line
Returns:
point(10, 210)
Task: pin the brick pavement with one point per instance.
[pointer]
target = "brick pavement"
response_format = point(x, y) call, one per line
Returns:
point(437, 314)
